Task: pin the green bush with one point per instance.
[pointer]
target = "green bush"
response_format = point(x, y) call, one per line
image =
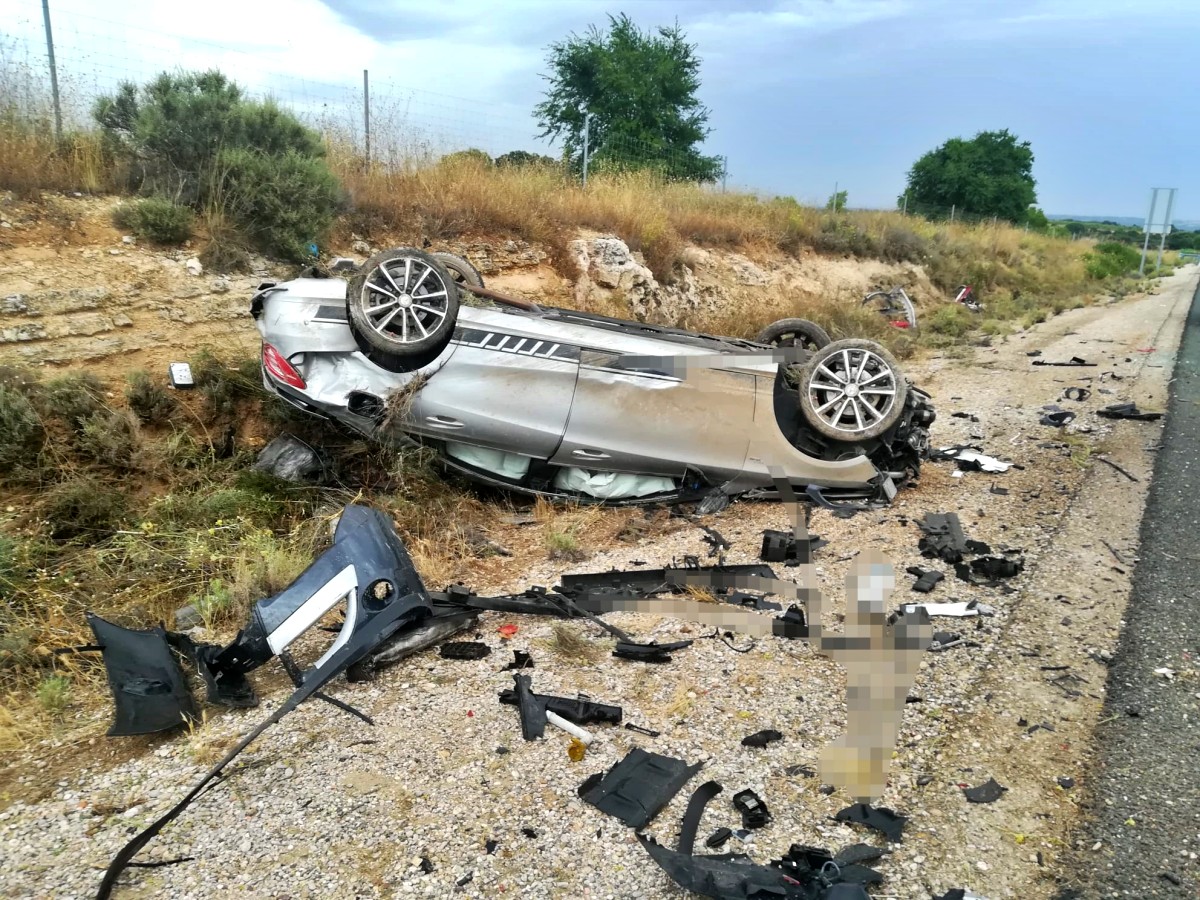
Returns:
point(281, 203)
point(83, 507)
point(902, 245)
point(74, 398)
point(110, 437)
point(196, 136)
point(156, 219)
point(840, 237)
point(1110, 260)
point(951, 320)
point(150, 402)
point(54, 693)
point(20, 430)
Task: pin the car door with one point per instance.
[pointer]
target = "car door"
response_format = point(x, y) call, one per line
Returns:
point(653, 421)
point(500, 390)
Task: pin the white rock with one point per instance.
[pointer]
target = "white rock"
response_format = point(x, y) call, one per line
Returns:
point(361, 247)
point(193, 267)
point(220, 286)
point(127, 239)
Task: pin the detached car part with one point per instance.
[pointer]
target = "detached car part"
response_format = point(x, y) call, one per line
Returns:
point(535, 399)
point(638, 787)
point(580, 710)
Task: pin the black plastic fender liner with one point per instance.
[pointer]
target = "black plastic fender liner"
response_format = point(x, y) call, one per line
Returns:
point(638, 787)
point(148, 686)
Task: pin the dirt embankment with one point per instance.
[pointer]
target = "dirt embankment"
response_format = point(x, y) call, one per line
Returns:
point(74, 290)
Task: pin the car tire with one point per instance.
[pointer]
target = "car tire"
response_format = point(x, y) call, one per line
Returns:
point(376, 296)
point(794, 333)
point(460, 269)
point(876, 402)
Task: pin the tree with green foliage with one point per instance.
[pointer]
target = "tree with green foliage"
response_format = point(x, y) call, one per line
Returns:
point(518, 159)
point(837, 202)
point(195, 137)
point(989, 175)
point(640, 89)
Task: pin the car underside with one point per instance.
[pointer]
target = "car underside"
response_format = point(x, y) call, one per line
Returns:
point(565, 404)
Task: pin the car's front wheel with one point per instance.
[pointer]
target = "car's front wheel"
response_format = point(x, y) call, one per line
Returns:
point(403, 302)
point(852, 390)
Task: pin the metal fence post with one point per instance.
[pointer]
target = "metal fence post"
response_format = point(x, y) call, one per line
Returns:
point(587, 123)
point(904, 212)
point(952, 207)
point(367, 117)
point(53, 70)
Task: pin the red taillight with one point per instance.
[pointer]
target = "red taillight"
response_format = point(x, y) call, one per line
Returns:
point(280, 369)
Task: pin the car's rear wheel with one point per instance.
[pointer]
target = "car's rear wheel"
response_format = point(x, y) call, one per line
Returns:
point(794, 333)
point(460, 269)
point(403, 302)
point(852, 390)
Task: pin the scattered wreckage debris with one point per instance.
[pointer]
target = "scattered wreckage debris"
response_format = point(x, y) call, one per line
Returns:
point(753, 810)
point(636, 789)
point(1113, 465)
point(581, 710)
point(785, 547)
point(1073, 361)
point(803, 874)
point(988, 792)
point(958, 609)
point(413, 640)
point(943, 538)
point(716, 541)
point(368, 567)
point(464, 650)
point(1128, 411)
point(1076, 393)
point(890, 824)
point(927, 579)
point(1056, 417)
point(971, 458)
point(521, 660)
point(960, 894)
point(291, 459)
point(762, 738)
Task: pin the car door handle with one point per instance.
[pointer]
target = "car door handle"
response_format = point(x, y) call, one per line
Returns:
point(590, 454)
point(443, 422)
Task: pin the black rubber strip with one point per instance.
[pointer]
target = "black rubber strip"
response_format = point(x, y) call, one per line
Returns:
point(692, 815)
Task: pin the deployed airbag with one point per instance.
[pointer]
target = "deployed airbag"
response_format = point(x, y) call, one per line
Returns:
point(611, 485)
point(506, 465)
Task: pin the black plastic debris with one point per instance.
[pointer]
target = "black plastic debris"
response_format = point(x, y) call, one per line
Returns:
point(943, 537)
point(807, 864)
point(465, 880)
point(997, 567)
point(638, 787)
point(426, 865)
point(880, 818)
point(988, 792)
point(1128, 411)
point(754, 812)
point(149, 690)
point(805, 771)
point(944, 640)
point(964, 415)
point(762, 738)
point(521, 660)
point(1055, 417)
point(1065, 782)
point(533, 712)
point(1073, 361)
point(648, 653)
point(641, 729)
point(580, 710)
point(491, 846)
point(998, 491)
point(792, 624)
point(718, 838)
point(926, 581)
point(464, 650)
point(647, 582)
point(291, 459)
point(1076, 393)
point(529, 832)
point(785, 547)
point(715, 540)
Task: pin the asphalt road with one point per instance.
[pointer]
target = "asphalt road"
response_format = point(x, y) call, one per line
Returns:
point(1145, 790)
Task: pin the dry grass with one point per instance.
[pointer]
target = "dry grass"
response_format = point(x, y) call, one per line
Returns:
point(572, 647)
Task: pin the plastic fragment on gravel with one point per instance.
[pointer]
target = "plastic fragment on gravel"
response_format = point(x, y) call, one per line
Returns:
point(880, 818)
point(988, 792)
point(637, 788)
point(960, 610)
point(762, 738)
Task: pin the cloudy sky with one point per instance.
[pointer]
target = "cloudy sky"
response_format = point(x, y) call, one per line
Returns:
point(803, 93)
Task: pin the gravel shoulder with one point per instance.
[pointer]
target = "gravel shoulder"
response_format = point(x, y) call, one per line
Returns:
point(324, 806)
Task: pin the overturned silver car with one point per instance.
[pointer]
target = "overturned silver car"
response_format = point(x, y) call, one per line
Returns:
point(566, 404)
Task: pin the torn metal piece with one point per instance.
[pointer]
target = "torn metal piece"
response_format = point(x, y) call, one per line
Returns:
point(638, 787)
point(988, 792)
point(149, 691)
point(1128, 411)
point(580, 710)
point(880, 818)
point(754, 812)
point(762, 738)
point(971, 460)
